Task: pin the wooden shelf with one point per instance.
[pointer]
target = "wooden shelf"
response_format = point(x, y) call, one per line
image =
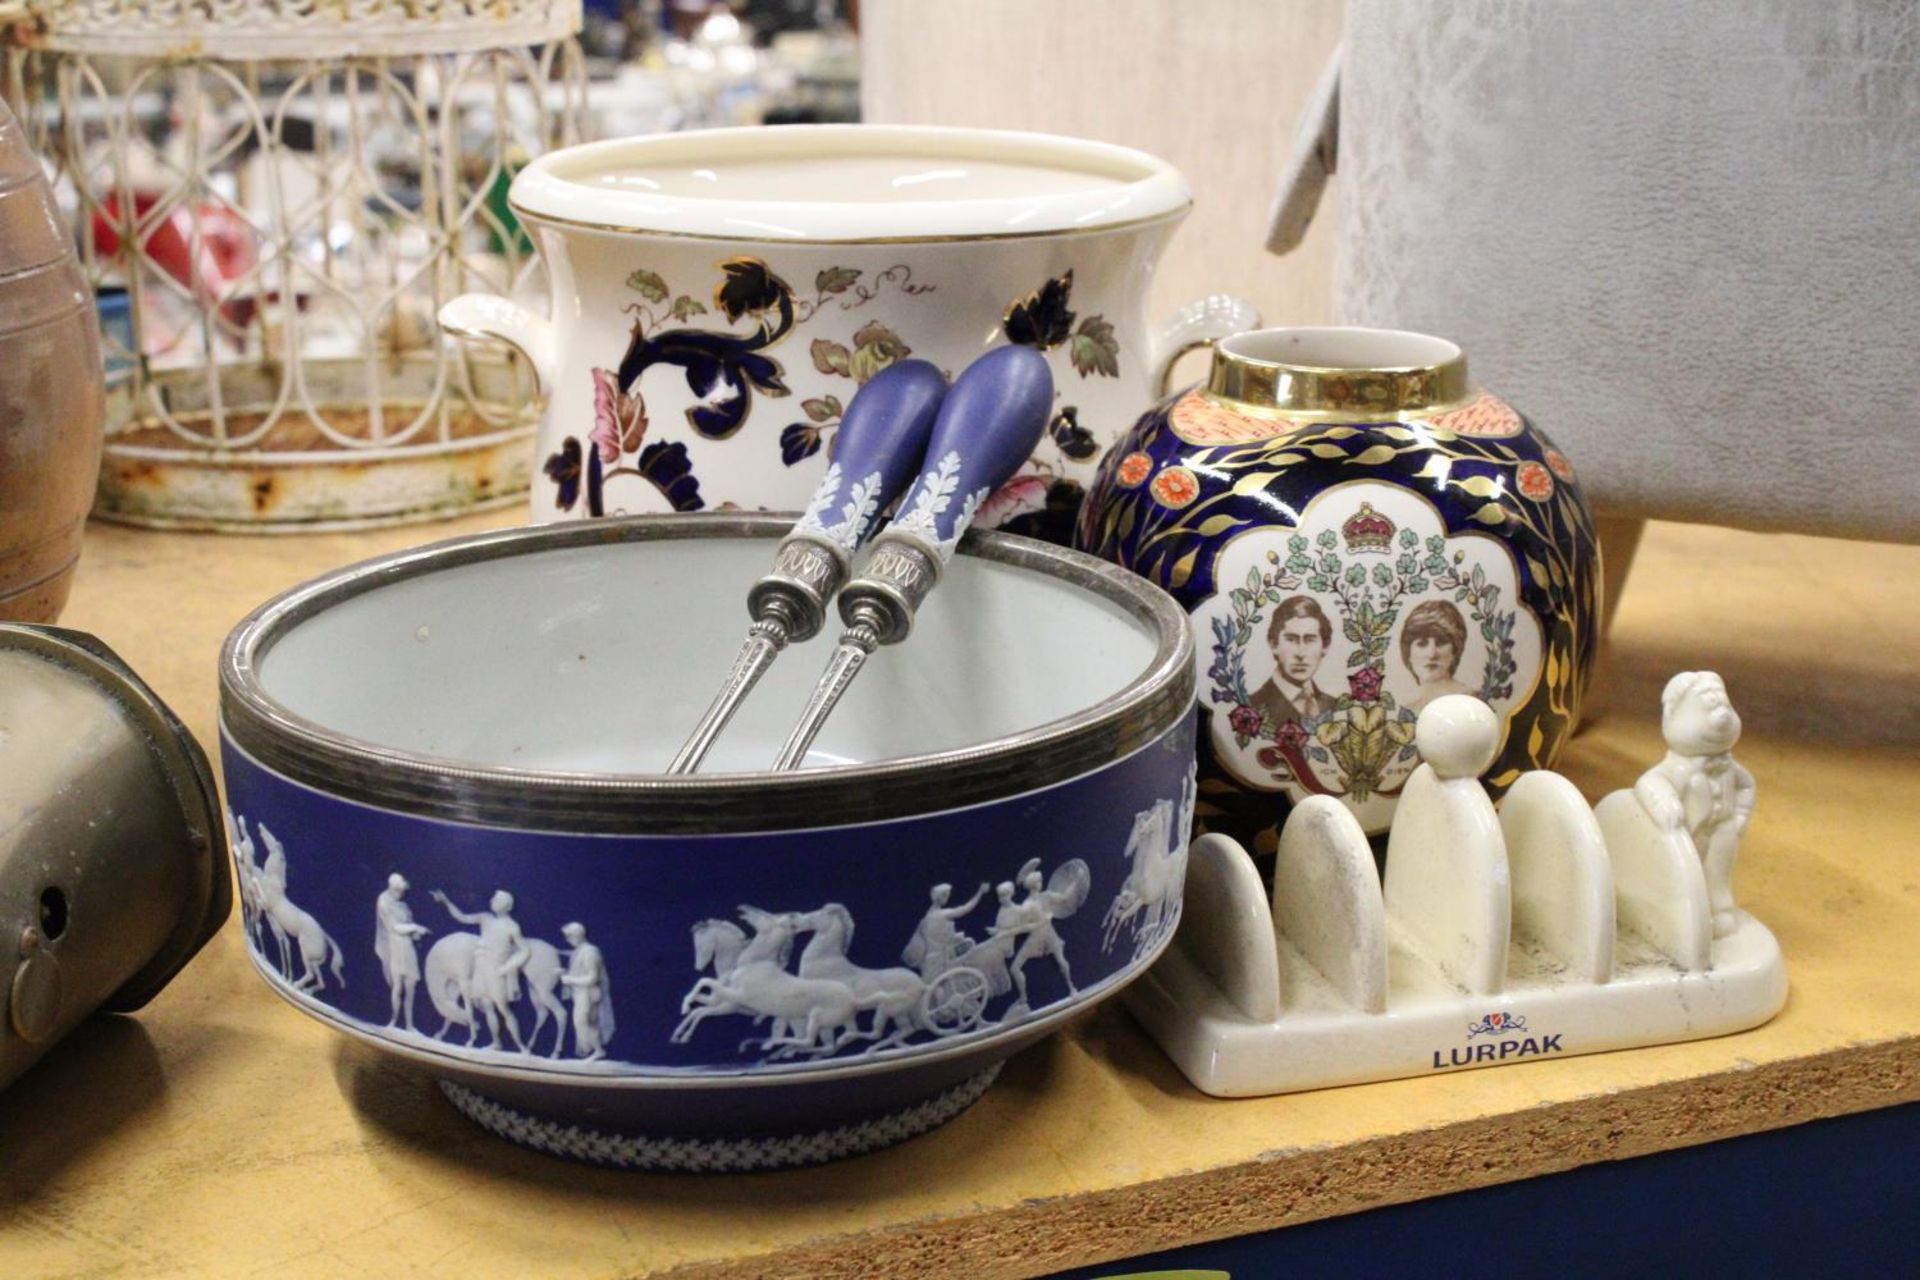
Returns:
point(221, 1134)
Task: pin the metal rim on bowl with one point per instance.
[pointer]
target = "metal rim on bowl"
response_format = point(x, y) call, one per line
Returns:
point(722, 803)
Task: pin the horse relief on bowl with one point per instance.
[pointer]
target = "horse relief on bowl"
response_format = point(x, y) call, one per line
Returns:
point(1330, 636)
point(474, 979)
point(964, 971)
point(952, 983)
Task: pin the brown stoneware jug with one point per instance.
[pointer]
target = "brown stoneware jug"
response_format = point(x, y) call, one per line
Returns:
point(51, 390)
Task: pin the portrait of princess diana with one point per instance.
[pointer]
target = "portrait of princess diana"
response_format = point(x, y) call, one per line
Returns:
point(1432, 640)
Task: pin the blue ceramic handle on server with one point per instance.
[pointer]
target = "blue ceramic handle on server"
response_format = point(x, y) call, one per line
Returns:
point(988, 425)
point(876, 452)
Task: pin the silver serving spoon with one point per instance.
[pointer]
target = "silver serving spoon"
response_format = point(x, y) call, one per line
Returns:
point(878, 448)
point(988, 425)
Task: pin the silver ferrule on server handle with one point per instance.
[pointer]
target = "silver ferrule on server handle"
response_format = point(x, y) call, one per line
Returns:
point(794, 594)
point(898, 576)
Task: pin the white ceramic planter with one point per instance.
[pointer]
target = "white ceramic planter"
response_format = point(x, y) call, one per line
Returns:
point(720, 296)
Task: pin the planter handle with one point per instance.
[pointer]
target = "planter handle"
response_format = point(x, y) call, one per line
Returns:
point(487, 315)
point(1198, 324)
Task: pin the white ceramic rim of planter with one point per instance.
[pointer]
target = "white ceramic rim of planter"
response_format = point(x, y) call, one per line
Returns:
point(1150, 705)
point(553, 189)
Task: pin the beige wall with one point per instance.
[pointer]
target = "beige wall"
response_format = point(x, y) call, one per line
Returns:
point(1214, 86)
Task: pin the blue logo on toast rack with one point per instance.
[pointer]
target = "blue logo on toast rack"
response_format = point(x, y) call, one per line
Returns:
point(1500, 1026)
point(1497, 1024)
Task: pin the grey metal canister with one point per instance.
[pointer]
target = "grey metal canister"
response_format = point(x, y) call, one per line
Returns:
point(113, 851)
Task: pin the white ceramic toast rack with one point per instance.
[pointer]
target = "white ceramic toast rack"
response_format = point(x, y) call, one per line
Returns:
point(1544, 929)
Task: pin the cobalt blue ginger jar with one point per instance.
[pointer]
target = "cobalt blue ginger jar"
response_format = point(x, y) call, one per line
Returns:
point(1355, 530)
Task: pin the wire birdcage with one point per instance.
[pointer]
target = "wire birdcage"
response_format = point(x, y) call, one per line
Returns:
point(272, 198)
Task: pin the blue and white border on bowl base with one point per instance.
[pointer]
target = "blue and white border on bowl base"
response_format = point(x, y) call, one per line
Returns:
point(716, 1155)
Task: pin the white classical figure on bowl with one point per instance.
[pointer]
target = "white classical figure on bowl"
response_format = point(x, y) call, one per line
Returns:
point(471, 976)
point(394, 933)
point(938, 942)
point(591, 991)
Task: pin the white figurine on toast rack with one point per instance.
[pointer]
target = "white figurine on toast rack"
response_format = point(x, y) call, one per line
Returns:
point(1545, 928)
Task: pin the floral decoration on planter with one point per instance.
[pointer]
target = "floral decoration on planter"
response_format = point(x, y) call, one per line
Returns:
point(1044, 320)
point(724, 369)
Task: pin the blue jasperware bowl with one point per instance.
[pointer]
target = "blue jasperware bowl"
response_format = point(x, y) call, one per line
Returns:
point(454, 841)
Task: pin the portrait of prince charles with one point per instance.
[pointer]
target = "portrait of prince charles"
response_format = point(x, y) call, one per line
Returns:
point(1299, 636)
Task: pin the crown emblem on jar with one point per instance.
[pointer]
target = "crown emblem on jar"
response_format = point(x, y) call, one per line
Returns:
point(1368, 530)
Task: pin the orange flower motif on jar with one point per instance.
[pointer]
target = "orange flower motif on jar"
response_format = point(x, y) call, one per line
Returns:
point(1174, 488)
point(1134, 468)
point(1561, 467)
point(1535, 481)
